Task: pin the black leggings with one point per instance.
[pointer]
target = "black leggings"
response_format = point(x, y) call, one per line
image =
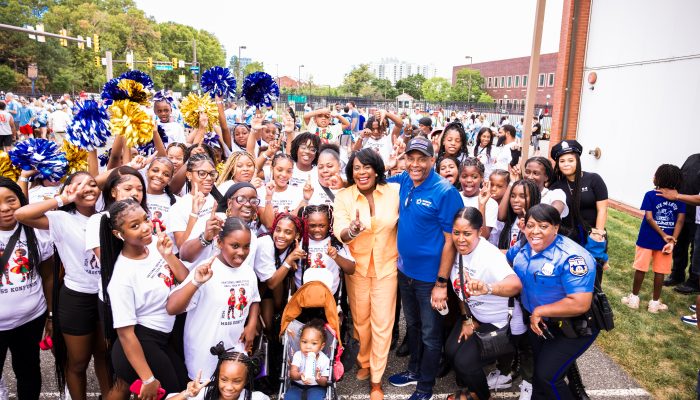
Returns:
point(167, 367)
point(23, 343)
point(466, 360)
point(553, 357)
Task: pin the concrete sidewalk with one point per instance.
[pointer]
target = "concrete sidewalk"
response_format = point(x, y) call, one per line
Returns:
point(603, 378)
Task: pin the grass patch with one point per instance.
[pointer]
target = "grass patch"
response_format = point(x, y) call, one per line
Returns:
point(658, 350)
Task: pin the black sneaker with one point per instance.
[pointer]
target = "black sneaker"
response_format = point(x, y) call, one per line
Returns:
point(671, 282)
point(685, 288)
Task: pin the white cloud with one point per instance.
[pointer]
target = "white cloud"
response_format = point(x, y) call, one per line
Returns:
point(328, 38)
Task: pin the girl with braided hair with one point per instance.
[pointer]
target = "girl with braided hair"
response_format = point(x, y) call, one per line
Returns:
point(323, 249)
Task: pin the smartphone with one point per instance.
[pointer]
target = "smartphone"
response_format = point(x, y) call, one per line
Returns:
point(135, 388)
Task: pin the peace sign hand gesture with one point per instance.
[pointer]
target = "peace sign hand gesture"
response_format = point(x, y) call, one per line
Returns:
point(308, 189)
point(73, 191)
point(485, 193)
point(195, 386)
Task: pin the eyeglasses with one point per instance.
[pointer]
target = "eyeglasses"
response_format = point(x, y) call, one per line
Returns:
point(202, 174)
point(304, 147)
point(409, 198)
point(242, 200)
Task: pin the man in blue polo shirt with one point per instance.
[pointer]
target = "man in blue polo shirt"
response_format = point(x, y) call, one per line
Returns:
point(428, 204)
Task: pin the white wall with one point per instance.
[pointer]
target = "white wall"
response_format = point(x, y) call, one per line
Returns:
point(640, 115)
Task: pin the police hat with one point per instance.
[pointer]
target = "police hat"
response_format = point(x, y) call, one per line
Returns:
point(566, 146)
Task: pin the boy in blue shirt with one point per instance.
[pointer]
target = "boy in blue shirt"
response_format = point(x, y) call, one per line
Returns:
point(658, 233)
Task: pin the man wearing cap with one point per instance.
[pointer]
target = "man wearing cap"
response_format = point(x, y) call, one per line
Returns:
point(425, 125)
point(427, 206)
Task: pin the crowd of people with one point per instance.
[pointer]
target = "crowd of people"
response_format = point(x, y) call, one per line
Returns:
point(165, 266)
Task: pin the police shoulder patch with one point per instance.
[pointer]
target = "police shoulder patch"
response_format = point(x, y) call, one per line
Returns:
point(577, 266)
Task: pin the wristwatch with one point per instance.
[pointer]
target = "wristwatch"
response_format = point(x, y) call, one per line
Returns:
point(203, 241)
point(441, 282)
point(489, 288)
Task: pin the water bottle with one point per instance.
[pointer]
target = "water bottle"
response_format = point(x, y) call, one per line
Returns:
point(310, 366)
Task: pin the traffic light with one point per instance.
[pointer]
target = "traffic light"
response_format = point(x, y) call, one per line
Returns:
point(98, 61)
point(62, 41)
point(174, 62)
point(149, 62)
point(96, 43)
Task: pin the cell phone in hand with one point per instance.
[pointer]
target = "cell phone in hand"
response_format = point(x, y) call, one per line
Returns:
point(135, 388)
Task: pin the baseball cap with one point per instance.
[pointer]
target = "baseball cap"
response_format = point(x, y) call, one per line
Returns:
point(566, 146)
point(425, 121)
point(422, 144)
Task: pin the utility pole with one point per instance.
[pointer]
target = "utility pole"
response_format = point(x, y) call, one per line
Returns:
point(532, 81)
point(109, 73)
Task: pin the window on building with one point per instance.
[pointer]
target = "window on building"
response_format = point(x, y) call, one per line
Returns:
point(522, 103)
point(540, 81)
point(500, 102)
point(510, 82)
point(489, 82)
point(524, 80)
point(550, 80)
point(517, 81)
point(503, 82)
point(508, 103)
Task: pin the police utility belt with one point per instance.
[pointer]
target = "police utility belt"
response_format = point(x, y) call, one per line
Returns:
point(598, 317)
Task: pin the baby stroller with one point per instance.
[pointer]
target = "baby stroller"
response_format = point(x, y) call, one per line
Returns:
point(314, 294)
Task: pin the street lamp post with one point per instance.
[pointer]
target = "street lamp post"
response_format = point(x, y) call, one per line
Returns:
point(238, 65)
point(299, 81)
point(469, 90)
point(194, 56)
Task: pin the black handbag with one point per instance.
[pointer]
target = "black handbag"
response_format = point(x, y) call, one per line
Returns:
point(495, 343)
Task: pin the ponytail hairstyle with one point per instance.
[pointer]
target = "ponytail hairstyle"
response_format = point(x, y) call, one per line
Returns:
point(454, 126)
point(304, 214)
point(547, 165)
point(229, 170)
point(166, 190)
point(253, 366)
point(120, 175)
point(532, 198)
point(472, 215)
point(192, 162)
point(110, 248)
point(32, 245)
point(298, 224)
point(576, 226)
point(482, 131)
point(71, 208)
point(207, 149)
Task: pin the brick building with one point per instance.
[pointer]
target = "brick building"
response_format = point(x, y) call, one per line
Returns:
point(506, 80)
point(286, 82)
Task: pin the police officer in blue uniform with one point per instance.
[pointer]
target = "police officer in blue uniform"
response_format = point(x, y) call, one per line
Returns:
point(558, 277)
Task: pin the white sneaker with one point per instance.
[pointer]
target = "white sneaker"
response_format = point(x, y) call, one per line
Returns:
point(525, 390)
point(631, 301)
point(498, 381)
point(656, 305)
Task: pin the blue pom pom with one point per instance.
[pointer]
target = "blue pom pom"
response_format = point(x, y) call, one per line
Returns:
point(161, 95)
point(211, 139)
point(89, 128)
point(219, 81)
point(104, 157)
point(259, 89)
point(138, 76)
point(112, 93)
point(150, 147)
point(42, 155)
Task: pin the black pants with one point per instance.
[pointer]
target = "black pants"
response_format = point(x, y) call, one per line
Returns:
point(466, 360)
point(552, 360)
point(23, 343)
point(167, 367)
point(680, 254)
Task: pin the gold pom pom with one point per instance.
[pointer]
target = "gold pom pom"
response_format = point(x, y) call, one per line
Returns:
point(136, 91)
point(7, 169)
point(220, 167)
point(77, 158)
point(192, 105)
point(132, 122)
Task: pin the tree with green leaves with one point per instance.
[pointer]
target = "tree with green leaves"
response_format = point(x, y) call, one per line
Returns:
point(412, 85)
point(356, 79)
point(255, 66)
point(437, 89)
point(468, 83)
point(384, 88)
point(485, 98)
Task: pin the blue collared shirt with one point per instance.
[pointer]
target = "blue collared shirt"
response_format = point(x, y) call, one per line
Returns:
point(426, 212)
point(563, 268)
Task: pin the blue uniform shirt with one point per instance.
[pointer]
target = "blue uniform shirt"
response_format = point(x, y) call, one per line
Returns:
point(561, 269)
point(425, 212)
